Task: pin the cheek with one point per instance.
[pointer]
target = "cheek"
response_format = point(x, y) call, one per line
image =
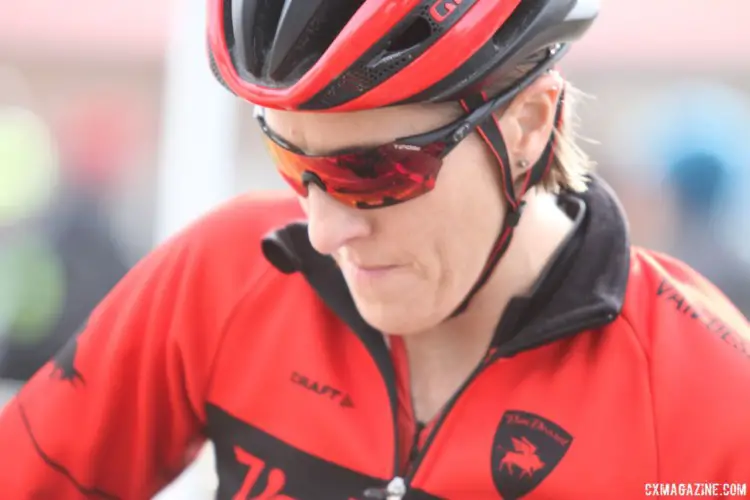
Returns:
point(463, 240)
point(469, 211)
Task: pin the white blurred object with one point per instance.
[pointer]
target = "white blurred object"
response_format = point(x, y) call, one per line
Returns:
point(197, 169)
point(198, 482)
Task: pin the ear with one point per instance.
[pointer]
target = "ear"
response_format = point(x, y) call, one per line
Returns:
point(529, 120)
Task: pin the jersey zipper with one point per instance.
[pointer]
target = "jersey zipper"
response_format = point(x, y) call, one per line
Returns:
point(414, 451)
point(398, 487)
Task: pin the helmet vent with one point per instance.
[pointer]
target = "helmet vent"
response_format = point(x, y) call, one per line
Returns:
point(300, 42)
point(254, 23)
point(228, 31)
point(416, 33)
point(408, 40)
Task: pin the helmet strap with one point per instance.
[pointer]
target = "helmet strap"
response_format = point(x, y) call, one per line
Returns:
point(492, 136)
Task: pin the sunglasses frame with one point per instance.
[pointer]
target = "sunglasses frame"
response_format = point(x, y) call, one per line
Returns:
point(440, 142)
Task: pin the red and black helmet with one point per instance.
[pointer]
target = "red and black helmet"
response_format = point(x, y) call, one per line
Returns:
point(345, 55)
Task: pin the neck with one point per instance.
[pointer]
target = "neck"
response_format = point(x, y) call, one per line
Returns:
point(441, 358)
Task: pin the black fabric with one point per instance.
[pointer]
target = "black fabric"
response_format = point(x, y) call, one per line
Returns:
point(521, 310)
point(584, 288)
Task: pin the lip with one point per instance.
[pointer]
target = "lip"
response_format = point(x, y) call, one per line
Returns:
point(367, 273)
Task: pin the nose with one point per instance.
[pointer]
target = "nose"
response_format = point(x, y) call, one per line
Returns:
point(331, 224)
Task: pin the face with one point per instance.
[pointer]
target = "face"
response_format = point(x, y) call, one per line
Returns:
point(408, 266)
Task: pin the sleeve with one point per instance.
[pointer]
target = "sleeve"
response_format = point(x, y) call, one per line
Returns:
point(117, 413)
point(700, 379)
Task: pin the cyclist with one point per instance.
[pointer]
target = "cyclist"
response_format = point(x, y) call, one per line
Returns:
point(447, 307)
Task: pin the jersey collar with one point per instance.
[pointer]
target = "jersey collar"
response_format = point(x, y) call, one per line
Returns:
point(583, 289)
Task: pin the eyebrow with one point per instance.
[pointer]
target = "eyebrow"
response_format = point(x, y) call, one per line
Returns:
point(455, 113)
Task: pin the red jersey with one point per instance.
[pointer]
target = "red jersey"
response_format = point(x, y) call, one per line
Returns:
point(624, 368)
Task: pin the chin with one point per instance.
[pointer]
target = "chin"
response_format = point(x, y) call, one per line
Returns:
point(395, 318)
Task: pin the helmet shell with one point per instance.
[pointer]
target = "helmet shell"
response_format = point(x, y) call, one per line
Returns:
point(346, 55)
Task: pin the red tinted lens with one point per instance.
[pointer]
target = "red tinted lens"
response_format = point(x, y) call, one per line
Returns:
point(378, 177)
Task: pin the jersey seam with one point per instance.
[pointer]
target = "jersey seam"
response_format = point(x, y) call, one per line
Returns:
point(224, 329)
point(649, 363)
point(86, 491)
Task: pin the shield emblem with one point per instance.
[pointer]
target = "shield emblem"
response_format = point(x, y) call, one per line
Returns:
point(525, 449)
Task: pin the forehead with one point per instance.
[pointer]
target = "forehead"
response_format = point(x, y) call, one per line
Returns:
point(325, 132)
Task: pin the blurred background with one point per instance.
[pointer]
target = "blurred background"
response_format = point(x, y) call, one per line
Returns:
point(114, 135)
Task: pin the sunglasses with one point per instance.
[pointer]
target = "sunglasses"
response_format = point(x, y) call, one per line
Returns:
point(374, 177)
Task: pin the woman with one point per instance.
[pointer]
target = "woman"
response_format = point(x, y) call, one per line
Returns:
point(455, 312)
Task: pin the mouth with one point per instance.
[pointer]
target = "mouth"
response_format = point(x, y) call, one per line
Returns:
point(369, 272)
point(373, 268)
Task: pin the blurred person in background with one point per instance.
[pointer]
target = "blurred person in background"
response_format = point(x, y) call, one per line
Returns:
point(63, 254)
point(449, 307)
point(702, 154)
point(31, 272)
point(696, 185)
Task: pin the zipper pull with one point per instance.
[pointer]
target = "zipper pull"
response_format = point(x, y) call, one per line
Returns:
point(396, 490)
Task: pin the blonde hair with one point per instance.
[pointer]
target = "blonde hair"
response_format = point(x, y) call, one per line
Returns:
point(571, 165)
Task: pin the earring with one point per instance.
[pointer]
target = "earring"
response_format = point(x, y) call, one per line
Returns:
point(523, 164)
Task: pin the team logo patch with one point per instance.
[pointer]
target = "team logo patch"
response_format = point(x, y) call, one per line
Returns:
point(525, 450)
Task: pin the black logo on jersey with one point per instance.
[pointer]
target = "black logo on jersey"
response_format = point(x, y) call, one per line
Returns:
point(525, 450)
point(711, 322)
point(253, 464)
point(332, 393)
point(64, 361)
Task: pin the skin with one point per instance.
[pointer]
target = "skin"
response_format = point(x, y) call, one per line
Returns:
point(409, 266)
